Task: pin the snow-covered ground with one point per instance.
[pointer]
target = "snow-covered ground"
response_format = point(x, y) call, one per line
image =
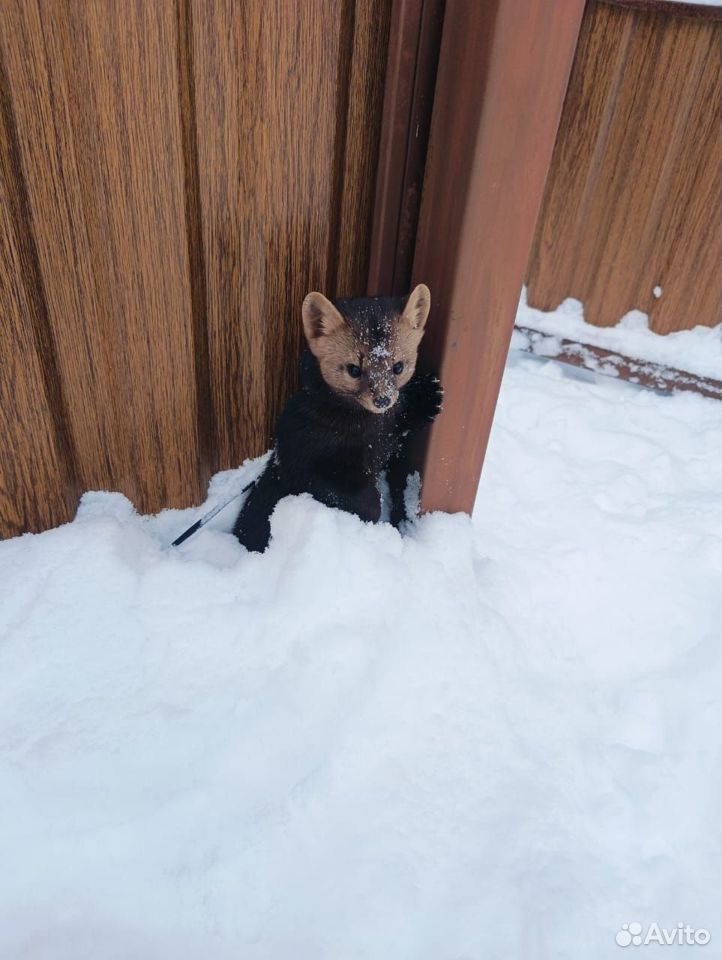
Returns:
point(697, 351)
point(488, 739)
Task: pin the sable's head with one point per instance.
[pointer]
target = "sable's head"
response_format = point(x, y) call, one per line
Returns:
point(366, 348)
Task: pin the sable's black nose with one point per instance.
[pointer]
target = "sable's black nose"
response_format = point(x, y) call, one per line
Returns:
point(381, 402)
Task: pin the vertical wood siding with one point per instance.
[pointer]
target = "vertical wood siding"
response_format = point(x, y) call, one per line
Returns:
point(502, 75)
point(633, 194)
point(174, 177)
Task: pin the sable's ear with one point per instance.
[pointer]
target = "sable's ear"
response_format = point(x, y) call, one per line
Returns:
point(320, 317)
point(417, 307)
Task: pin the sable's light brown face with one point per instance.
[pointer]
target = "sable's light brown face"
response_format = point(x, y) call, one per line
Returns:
point(366, 349)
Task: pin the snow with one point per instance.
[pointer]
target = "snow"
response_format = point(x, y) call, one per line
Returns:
point(697, 351)
point(487, 739)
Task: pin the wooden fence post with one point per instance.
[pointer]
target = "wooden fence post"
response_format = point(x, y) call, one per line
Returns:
point(412, 61)
point(502, 76)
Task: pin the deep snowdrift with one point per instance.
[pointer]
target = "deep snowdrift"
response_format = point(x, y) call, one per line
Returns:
point(488, 739)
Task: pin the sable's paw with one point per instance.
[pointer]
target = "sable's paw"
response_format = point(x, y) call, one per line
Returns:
point(430, 397)
point(367, 504)
point(397, 513)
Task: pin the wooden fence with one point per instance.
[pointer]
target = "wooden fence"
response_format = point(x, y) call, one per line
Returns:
point(631, 211)
point(175, 175)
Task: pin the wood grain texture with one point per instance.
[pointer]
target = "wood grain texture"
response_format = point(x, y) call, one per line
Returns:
point(208, 453)
point(279, 182)
point(413, 57)
point(180, 174)
point(502, 76)
point(365, 92)
point(94, 90)
point(633, 196)
point(37, 484)
point(672, 8)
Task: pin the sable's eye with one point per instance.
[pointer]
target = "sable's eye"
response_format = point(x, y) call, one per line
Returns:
point(353, 370)
point(398, 367)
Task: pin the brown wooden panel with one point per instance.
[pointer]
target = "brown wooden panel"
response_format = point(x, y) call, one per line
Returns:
point(633, 196)
point(365, 91)
point(37, 488)
point(503, 71)
point(34, 492)
point(673, 8)
point(278, 181)
point(183, 173)
point(412, 62)
point(94, 88)
point(686, 239)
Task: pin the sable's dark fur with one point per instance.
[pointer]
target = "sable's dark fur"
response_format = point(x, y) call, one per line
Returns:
point(329, 445)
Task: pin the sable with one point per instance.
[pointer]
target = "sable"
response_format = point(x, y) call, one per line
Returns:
point(360, 400)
